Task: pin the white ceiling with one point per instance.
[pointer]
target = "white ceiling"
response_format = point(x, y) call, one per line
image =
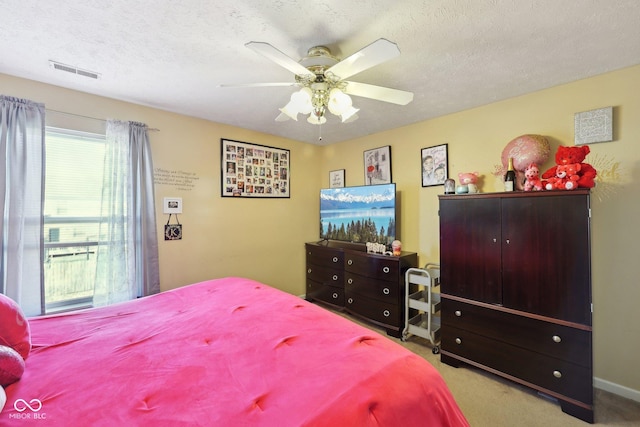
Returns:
point(456, 54)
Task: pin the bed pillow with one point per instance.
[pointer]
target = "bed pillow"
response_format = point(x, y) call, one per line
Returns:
point(15, 332)
point(3, 398)
point(11, 366)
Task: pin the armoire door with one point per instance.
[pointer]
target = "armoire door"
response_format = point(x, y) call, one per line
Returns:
point(470, 246)
point(545, 256)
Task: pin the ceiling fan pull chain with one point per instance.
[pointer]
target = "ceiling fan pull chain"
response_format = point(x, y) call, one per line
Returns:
point(320, 132)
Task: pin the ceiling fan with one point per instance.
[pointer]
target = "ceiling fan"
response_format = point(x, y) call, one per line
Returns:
point(322, 78)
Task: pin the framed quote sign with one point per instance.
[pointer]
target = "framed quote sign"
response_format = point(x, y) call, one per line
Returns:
point(252, 170)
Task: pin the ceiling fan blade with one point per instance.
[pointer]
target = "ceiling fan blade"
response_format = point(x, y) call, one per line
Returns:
point(376, 53)
point(279, 58)
point(379, 93)
point(259, 84)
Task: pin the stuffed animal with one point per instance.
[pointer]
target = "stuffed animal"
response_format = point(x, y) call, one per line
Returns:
point(567, 177)
point(15, 343)
point(532, 178)
point(470, 179)
point(573, 155)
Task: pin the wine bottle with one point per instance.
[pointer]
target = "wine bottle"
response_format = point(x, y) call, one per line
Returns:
point(510, 177)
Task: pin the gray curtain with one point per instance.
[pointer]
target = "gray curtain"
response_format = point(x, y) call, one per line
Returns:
point(127, 261)
point(21, 197)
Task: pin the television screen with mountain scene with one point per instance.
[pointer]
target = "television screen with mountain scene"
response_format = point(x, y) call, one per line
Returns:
point(359, 214)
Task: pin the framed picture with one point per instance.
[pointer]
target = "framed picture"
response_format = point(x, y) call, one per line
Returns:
point(252, 170)
point(377, 166)
point(172, 205)
point(434, 165)
point(336, 178)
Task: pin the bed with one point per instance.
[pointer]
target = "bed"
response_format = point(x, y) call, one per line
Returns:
point(225, 352)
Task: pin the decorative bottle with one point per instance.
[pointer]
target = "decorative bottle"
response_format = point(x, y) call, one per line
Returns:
point(510, 177)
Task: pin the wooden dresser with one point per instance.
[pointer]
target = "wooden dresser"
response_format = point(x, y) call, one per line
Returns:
point(516, 290)
point(370, 286)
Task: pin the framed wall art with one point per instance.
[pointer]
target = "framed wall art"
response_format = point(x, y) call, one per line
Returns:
point(377, 166)
point(336, 178)
point(594, 126)
point(252, 170)
point(434, 165)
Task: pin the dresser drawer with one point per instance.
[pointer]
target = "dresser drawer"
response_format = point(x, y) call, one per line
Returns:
point(325, 275)
point(386, 313)
point(551, 339)
point(380, 290)
point(325, 257)
point(374, 266)
point(330, 294)
point(547, 372)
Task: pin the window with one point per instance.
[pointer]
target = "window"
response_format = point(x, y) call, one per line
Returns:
point(73, 192)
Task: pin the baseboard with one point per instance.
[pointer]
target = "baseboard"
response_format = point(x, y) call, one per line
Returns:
point(618, 389)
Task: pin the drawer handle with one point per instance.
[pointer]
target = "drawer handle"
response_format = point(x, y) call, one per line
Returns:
point(350, 281)
point(386, 291)
point(386, 313)
point(508, 241)
point(458, 313)
point(556, 338)
point(335, 259)
point(385, 269)
point(335, 295)
point(458, 341)
point(335, 277)
point(350, 262)
point(495, 240)
point(350, 300)
point(309, 271)
point(557, 374)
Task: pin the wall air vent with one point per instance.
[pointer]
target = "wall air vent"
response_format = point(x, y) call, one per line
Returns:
point(74, 70)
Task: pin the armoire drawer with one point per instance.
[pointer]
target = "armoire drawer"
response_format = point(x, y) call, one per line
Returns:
point(380, 290)
point(330, 294)
point(547, 372)
point(551, 339)
point(325, 275)
point(386, 313)
point(373, 266)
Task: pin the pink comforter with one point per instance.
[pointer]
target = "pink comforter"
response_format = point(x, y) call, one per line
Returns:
point(227, 352)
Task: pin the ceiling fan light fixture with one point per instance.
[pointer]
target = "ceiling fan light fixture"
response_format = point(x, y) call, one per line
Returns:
point(290, 111)
point(350, 114)
point(315, 120)
point(339, 102)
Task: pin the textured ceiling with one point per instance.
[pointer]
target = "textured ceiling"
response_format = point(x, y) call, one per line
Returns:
point(456, 54)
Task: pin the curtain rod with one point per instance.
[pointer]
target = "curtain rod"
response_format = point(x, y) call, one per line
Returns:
point(88, 117)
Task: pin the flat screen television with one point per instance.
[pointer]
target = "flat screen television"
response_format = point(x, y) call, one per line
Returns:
point(359, 214)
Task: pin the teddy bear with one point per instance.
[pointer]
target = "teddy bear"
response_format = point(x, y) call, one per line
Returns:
point(574, 155)
point(532, 178)
point(470, 179)
point(15, 344)
point(567, 177)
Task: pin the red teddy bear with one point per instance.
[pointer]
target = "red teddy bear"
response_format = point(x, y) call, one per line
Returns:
point(573, 155)
point(567, 177)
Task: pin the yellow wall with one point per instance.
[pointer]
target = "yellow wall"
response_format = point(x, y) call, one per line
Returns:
point(263, 239)
point(259, 239)
point(475, 141)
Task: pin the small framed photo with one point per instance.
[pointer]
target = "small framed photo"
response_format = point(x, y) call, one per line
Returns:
point(172, 205)
point(434, 165)
point(336, 178)
point(377, 166)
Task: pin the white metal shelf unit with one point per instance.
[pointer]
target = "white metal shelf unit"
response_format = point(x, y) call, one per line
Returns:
point(426, 322)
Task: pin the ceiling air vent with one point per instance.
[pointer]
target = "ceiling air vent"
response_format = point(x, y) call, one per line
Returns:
point(74, 70)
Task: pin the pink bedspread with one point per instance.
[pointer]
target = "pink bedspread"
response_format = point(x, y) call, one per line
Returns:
point(227, 352)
